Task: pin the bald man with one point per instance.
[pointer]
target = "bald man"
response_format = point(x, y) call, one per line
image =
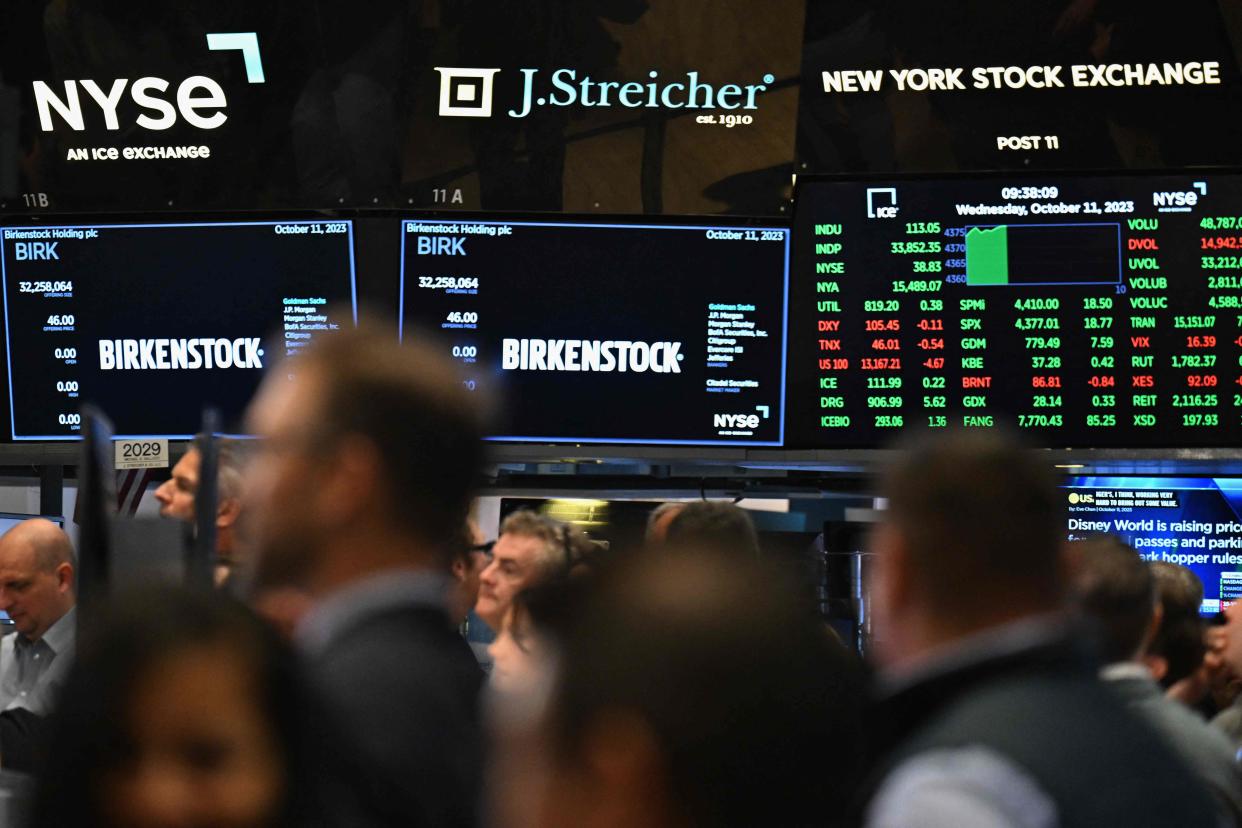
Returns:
point(37, 592)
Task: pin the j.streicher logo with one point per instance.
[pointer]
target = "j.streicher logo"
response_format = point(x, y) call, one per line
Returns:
point(467, 93)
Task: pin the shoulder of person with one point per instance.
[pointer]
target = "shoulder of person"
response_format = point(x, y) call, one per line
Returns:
point(1229, 719)
point(952, 787)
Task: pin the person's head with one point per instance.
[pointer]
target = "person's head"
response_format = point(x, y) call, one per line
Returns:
point(36, 576)
point(1231, 646)
point(971, 539)
point(177, 494)
point(713, 525)
point(531, 547)
point(1114, 589)
point(181, 710)
point(671, 706)
point(470, 557)
point(1176, 650)
point(1213, 671)
point(658, 521)
point(526, 643)
point(369, 452)
point(1213, 675)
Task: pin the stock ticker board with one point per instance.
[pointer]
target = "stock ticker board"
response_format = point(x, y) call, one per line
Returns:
point(1089, 311)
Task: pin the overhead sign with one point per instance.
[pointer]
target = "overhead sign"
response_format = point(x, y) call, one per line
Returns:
point(619, 106)
point(468, 92)
point(1028, 84)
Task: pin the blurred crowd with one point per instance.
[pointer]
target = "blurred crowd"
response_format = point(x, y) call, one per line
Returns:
point(1014, 679)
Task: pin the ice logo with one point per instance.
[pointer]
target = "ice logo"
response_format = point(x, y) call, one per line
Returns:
point(466, 93)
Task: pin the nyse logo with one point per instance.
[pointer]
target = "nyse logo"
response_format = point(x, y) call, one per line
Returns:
point(199, 100)
point(1188, 198)
point(735, 421)
point(1179, 202)
point(466, 93)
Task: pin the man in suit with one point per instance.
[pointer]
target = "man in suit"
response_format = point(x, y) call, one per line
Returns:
point(359, 490)
point(37, 591)
point(986, 713)
point(1116, 589)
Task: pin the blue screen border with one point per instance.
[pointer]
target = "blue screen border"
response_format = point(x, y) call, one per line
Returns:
point(8, 349)
point(629, 441)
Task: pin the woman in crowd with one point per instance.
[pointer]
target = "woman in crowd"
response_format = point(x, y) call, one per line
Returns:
point(182, 710)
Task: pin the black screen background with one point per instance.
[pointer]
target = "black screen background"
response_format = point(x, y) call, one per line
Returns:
point(870, 269)
point(596, 283)
point(161, 282)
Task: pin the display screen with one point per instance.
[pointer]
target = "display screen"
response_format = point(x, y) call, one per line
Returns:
point(609, 333)
point(1089, 311)
point(1020, 85)
point(154, 322)
point(1195, 522)
point(617, 106)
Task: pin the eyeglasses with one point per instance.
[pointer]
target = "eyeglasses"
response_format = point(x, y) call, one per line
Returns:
point(485, 548)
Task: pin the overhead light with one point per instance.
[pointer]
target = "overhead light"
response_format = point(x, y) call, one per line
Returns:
point(578, 511)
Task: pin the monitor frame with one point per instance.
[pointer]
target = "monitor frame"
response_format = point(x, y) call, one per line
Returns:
point(607, 221)
point(146, 220)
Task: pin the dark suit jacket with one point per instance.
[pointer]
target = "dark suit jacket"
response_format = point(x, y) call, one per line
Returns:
point(404, 686)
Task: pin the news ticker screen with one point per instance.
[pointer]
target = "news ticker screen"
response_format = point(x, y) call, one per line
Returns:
point(153, 322)
point(609, 333)
point(1090, 311)
point(1195, 522)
